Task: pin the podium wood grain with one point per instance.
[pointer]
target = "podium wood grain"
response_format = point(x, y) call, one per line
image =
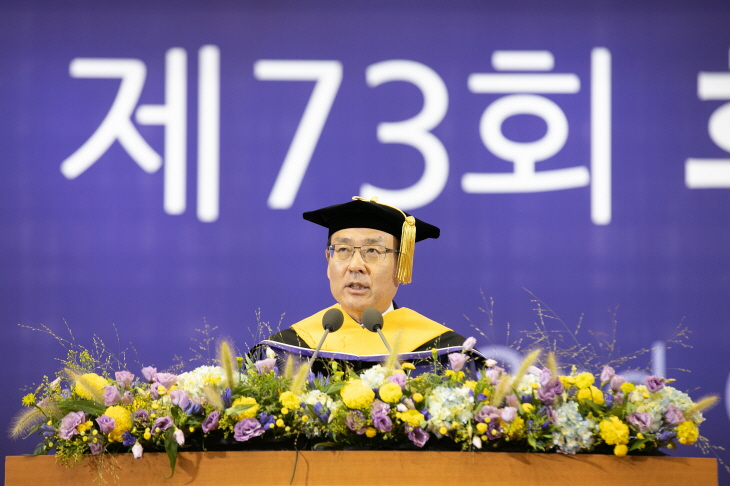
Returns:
point(354, 468)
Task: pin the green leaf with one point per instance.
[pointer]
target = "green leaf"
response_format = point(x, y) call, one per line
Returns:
point(638, 443)
point(171, 449)
point(333, 388)
point(92, 408)
point(40, 450)
point(238, 409)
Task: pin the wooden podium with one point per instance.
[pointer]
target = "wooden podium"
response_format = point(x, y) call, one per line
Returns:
point(366, 468)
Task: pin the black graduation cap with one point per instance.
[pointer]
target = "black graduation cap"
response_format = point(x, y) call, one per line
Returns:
point(362, 213)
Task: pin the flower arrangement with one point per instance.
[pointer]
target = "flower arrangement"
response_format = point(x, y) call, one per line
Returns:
point(246, 404)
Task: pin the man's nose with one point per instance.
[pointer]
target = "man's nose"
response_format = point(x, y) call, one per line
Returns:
point(357, 264)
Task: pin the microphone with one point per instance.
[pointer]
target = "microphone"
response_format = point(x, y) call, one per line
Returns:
point(331, 322)
point(372, 320)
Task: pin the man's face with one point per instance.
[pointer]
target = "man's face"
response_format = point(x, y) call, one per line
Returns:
point(358, 285)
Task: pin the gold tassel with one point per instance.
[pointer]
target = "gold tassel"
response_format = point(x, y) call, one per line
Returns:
point(404, 272)
point(407, 249)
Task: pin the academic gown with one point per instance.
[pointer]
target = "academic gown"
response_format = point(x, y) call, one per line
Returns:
point(416, 336)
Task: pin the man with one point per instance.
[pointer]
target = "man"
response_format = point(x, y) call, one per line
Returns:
point(369, 253)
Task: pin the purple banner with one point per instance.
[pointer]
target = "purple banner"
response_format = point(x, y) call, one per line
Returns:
point(157, 157)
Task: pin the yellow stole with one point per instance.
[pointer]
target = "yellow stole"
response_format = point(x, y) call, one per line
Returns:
point(351, 338)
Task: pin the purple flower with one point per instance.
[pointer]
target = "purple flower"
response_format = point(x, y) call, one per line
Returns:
point(149, 373)
point(545, 377)
point(106, 424)
point(124, 379)
point(193, 407)
point(227, 397)
point(509, 414)
point(267, 420)
point(398, 378)
point(48, 430)
point(142, 417)
point(246, 429)
point(552, 415)
point(616, 382)
point(166, 379)
point(264, 366)
point(96, 448)
point(179, 398)
point(641, 420)
point(67, 429)
point(127, 398)
point(673, 415)
point(162, 424)
point(607, 373)
point(379, 413)
point(128, 439)
point(355, 421)
point(654, 383)
point(210, 422)
point(666, 436)
point(493, 374)
point(494, 431)
point(487, 411)
point(512, 400)
point(457, 361)
point(547, 393)
point(469, 343)
point(111, 395)
point(417, 435)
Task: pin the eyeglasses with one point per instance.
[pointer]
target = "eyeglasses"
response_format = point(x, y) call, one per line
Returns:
point(369, 253)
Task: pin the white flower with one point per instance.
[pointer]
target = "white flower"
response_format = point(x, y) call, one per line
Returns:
point(373, 377)
point(270, 353)
point(491, 363)
point(574, 433)
point(447, 405)
point(195, 381)
point(137, 450)
point(179, 437)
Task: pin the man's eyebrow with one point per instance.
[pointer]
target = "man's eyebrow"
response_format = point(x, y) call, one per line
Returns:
point(367, 241)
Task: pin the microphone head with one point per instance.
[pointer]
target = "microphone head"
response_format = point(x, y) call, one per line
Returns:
point(372, 320)
point(333, 319)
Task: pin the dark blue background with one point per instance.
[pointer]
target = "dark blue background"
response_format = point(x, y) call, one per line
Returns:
point(99, 252)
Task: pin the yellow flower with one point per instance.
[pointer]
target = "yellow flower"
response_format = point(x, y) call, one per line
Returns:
point(515, 429)
point(391, 392)
point(584, 380)
point(408, 366)
point(29, 400)
point(147, 434)
point(449, 373)
point(122, 421)
point(85, 426)
point(280, 423)
point(358, 396)
point(527, 407)
point(417, 397)
point(687, 432)
point(621, 450)
point(411, 417)
point(90, 380)
point(471, 384)
point(305, 419)
point(284, 411)
point(443, 431)
point(627, 387)
point(481, 427)
point(614, 431)
point(289, 400)
point(591, 393)
point(249, 412)
point(370, 432)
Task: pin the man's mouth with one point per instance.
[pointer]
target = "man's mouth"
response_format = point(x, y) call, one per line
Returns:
point(355, 286)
